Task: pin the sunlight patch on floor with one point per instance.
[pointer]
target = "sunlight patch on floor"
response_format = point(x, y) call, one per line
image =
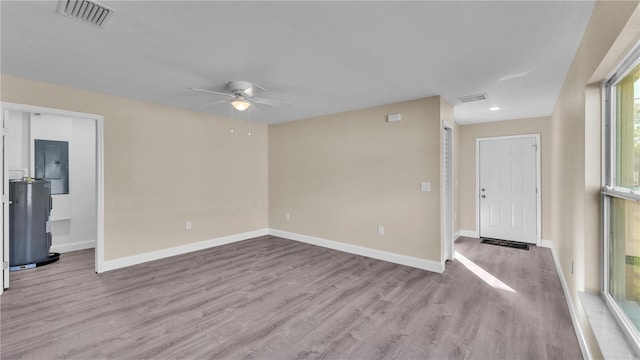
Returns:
point(483, 274)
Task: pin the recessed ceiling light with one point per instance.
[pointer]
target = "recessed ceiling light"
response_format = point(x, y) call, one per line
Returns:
point(495, 108)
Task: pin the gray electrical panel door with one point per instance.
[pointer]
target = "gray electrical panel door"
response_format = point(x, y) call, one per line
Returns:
point(52, 164)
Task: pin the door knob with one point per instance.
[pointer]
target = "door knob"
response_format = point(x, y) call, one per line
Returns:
point(483, 196)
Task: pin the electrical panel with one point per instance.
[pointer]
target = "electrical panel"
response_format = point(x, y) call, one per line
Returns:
point(52, 164)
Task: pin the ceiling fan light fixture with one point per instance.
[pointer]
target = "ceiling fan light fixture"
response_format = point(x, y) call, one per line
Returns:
point(240, 104)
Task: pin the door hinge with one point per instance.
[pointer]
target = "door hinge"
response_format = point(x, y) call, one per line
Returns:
point(5, 265)
point(535, 147)
point(4, 131)
point(4, 199)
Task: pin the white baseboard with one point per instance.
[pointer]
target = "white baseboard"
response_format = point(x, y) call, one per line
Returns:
point(78, 245)
point(586, 353)
point(179, 250)
point(468, 233)
point(546, 244)
point(424, 264)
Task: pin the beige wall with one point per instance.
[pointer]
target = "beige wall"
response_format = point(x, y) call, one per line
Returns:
point(575, 179)
point(467, 180)
point(340, 176)
point(164, 166)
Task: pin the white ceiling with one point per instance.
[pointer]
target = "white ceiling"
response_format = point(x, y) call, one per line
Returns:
point(324, 57)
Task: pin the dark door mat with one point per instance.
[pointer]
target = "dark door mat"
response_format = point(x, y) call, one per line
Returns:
point(507, 243)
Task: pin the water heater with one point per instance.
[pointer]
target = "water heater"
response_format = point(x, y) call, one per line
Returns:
point(29, 230)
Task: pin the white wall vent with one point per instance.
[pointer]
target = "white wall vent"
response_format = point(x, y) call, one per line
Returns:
point(88, 11)
point(472, 98)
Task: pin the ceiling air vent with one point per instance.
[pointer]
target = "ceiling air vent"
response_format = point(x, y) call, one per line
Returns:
point(90, 12)
point(472, 98)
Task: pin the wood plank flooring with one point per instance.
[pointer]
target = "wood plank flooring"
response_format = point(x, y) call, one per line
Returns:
point(271, 298)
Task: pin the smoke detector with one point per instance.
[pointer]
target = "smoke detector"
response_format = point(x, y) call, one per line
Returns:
point(87, 11)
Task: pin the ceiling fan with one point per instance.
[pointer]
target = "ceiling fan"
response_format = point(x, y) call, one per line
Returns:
point(242, 95)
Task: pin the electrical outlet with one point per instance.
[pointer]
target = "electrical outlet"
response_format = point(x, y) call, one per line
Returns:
point(287, 216)
point(380, 230)
point(425, 186)
point(188, 225)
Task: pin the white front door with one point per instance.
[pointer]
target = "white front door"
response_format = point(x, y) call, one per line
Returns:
point(507, 181)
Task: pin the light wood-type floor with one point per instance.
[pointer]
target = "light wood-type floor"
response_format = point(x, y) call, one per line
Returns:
point(271, 298)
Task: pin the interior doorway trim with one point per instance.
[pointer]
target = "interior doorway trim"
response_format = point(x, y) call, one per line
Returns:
point(538, 181)
point(448, 177)
point(99, 165)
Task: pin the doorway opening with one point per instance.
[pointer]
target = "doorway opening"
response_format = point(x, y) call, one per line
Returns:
point(76, 219)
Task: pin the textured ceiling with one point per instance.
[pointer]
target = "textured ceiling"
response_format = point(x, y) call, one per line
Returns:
point(324, 57)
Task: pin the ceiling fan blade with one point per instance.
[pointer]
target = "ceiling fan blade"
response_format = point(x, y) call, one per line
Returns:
point(271, 102)
point(213, 103)
point(212, 92)
point(253, 90)
point(254, 109)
